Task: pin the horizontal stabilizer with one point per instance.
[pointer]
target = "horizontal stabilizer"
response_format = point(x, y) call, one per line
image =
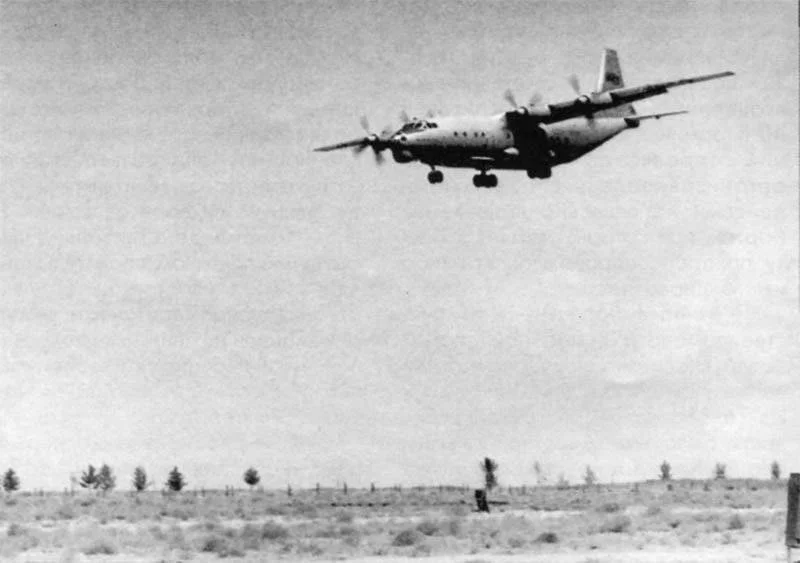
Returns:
point(633, 120)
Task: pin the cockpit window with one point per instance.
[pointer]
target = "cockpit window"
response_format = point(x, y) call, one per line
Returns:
point(418, 125)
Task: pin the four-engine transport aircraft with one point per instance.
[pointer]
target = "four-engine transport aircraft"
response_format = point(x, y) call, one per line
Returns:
point(532, 137)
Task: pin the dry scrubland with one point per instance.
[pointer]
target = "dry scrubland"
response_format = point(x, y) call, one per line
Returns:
point(691, 520)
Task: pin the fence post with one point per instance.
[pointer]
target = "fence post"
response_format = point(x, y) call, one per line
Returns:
point(792, 515)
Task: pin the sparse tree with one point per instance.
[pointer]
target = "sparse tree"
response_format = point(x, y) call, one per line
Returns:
point(89, 478)
point(106, 481)
point(590, 478)
point(251, 477)
point(10, 481)
point(719, 471)
point(175, 480)
point(541, 477)
point(489, 468)
point(139, 481)
point(562, 482)
point(666, 471)
point(775, 470)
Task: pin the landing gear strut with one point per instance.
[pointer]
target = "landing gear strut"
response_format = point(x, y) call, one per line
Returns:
point(435, 177)
point(484, 180)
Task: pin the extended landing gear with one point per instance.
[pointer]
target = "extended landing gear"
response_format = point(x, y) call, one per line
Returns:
point(435, 177)
point(484, 180)
point(540, 172)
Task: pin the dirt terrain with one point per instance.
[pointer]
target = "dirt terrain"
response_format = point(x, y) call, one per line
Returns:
point(717, 521)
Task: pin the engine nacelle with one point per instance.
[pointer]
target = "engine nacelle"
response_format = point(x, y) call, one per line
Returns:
point(402, 155)
point(603, 99)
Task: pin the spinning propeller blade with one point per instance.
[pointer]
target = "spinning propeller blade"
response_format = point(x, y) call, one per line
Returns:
point(575, 83)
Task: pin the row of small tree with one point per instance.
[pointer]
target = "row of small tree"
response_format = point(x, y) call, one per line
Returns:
point(103, 479)
point(489, 468)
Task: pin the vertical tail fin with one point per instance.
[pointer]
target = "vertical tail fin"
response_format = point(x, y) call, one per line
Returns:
point(611, 78)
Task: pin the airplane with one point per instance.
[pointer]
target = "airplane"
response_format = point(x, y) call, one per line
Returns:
point(533, 137)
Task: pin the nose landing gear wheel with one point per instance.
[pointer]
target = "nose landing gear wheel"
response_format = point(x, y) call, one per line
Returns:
point(483, 180)
point(435, 177)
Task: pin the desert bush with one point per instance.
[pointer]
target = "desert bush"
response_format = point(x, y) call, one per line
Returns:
point(775, 471)
point(99, 546)
point(616, 525)
point(218, 544)
point(407, 537)
point(720, 471)
point(736, 522)
point(251, 477)
point(547, 537)
point(666, 471)
point(452, 527)
point(653, 510)
point(15, 529)
point(65, 512)
point(609, 507)
point(344, 517)
point(428, 527)
point(273, 531)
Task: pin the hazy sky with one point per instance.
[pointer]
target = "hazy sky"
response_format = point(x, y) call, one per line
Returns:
point(185, 283)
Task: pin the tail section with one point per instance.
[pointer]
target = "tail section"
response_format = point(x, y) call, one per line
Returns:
point(610, 79)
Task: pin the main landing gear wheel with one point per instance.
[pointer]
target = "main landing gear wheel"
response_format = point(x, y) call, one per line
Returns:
point(484, 180)
point(435, 177)
point(542, 172)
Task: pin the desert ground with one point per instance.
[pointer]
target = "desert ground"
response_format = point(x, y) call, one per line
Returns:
point(688, 520)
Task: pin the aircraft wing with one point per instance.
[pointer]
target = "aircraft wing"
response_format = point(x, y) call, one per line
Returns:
point(587, 104)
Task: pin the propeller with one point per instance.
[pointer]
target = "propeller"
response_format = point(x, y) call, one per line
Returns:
point(377, 142)
point(535, 99)
point(575, 83)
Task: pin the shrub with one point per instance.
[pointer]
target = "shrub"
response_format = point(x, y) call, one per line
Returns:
point(344, 517)
point(736, 523)
point(273, 531)
point(406, 538)
point(775, 470)
point(616, 525)
point(720, 471)
point(99, 546)
point(428, 527)
point(610, 507)
point(547, 537)
point(213, 543)
point(666, 471)
point(15, 529)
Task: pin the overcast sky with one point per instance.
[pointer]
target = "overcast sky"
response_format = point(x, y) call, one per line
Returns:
point(183, 282)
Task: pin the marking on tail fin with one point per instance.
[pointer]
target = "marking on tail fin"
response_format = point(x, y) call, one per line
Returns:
point(610, 78)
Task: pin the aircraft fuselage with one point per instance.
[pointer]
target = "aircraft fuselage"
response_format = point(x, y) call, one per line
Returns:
point(485, 142)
